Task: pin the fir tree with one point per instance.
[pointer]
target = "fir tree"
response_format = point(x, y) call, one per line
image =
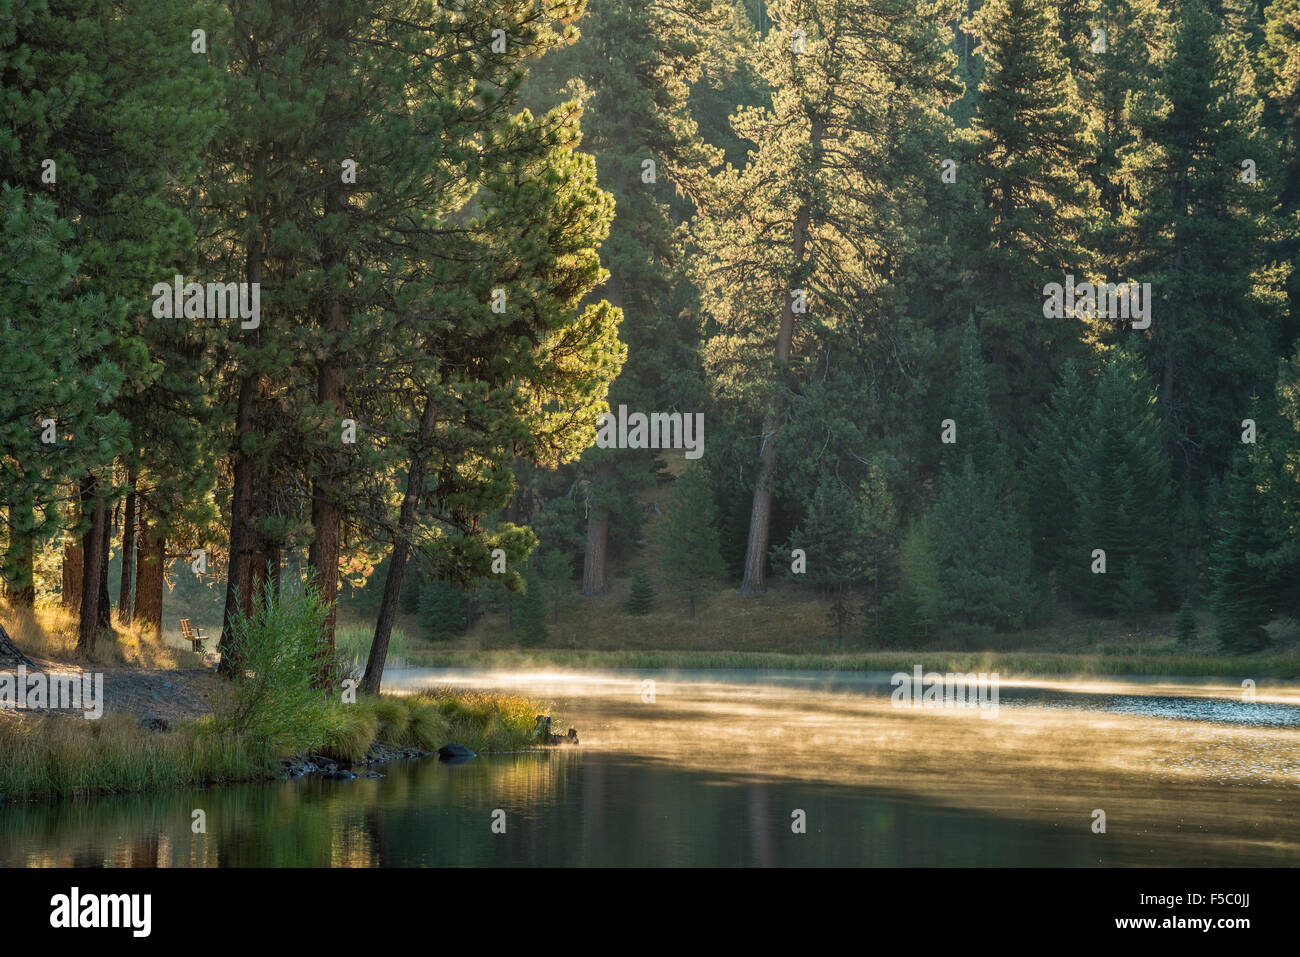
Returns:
point(1134, 597)
point(980, 540)
point(875, 540)
point(1121, 489)
point(1051, 499)
point(530, 616)
point(692, 555)
point(555, 572)
point(1185, 625)
point(918, 604)
point(1030, 146)
point(1241, 598)
point(641, 599)
point(1202, 234)
point(440, 609)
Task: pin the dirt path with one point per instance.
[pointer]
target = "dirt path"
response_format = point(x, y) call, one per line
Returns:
point(171, 695)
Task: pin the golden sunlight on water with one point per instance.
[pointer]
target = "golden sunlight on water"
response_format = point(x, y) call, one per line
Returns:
point(1196, 779)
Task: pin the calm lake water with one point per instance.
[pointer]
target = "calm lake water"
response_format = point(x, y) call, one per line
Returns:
point(713, 768)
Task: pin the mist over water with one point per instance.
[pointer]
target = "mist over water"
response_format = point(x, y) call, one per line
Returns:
point(707, 768)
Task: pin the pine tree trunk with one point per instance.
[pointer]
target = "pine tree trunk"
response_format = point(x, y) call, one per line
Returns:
point(373, 677)
point(72, 569)
point(326, 520)
point(594, 556)
point(92, 550)
point(124, 612)
point(257, 573)
point(149, 576)
point(104, 613)
point(593, 560)
point(238, 580)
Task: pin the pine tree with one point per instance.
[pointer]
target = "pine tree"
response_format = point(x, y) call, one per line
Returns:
point(828, 538)
point(1135, 33)
point(50, 335)
point(799, 242)
point(134, 112)
point(1281, 79)
point(692, 548)
point(641, 599)
point(633, 68)
point(976, 433)
point(1277, 468)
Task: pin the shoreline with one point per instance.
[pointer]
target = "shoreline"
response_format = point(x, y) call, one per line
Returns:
point(1010, 664)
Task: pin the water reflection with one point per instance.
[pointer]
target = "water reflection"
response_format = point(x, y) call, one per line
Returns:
point(710, 771)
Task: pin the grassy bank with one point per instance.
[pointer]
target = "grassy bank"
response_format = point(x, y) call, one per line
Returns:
point(1009, 664)
point(61, 756)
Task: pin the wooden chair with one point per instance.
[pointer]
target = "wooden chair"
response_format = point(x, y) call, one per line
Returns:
point(193, 635)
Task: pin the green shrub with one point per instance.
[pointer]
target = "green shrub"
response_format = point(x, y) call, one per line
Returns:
point(275, 699)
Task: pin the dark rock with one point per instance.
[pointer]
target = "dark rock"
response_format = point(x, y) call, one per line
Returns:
point(455, 752)
point(340, 775)
point(152, 722)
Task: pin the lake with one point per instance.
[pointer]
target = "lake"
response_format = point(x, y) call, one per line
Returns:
point(721, 768)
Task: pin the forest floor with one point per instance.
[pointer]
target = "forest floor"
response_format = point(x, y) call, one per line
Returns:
point(142, 676)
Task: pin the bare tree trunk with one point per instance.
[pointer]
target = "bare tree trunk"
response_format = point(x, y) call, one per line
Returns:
point(92, 548)
point(373, 678)
point(124, 605)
